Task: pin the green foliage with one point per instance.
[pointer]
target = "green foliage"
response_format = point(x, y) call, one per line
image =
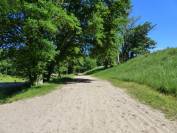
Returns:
point(96, 23)
point(66, 42)
point(87, 64)
point(61, 69)
point(136, 40)
point(9, 35)
point(37, 34)
point(106, 24)
point(38, 28)
point(42, 36)
point(6, 65)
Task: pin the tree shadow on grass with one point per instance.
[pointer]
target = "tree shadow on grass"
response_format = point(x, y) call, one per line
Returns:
point(11, 88)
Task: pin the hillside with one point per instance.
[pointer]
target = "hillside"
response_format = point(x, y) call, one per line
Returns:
point(158, 70)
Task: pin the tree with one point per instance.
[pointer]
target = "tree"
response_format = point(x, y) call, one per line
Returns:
point(42, 36)
point(136, 40)
point(10, 34)
point(38, 29)
point(10, 22)
point(108, 20)
point(45, 33)
point(76, 45)
point(66, 42)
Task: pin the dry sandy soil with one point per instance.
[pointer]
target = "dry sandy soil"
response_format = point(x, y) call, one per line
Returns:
point(87, 105)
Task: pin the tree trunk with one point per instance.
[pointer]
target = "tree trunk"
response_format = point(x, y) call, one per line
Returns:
point(70, 69)
point(106, 64)
point(48, 76)
point(59, 74)
point(118, 58)
point(36, 80)
point(50, 70)
point(39, 80)
point(124, 56)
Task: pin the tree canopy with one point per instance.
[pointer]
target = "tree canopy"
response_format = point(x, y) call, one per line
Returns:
point(40, 37)
point(136, 40)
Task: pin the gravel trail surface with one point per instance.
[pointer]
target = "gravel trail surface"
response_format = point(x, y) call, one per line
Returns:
point(87, 105)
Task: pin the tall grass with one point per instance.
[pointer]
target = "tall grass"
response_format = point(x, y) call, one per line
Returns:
point(157, 70)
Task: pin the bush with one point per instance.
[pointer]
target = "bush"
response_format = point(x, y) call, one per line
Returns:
point(88, 64)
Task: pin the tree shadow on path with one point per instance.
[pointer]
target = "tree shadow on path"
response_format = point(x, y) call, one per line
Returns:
point(67, 80)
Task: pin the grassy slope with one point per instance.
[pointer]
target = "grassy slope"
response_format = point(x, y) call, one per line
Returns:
point(152, 79)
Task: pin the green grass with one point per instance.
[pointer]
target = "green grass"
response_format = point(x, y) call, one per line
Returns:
point(152, 79)
point(157, 70)
point(12, 94)
point(7, 78)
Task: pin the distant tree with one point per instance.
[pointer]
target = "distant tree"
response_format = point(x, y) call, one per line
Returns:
point(86, 63)
point(107, 21)
point(83, 10)
point(136, 40)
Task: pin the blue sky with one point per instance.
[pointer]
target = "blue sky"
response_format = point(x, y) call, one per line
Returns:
point(163, 13)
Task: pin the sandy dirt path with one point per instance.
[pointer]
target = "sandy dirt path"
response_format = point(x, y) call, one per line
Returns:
point(86, 106)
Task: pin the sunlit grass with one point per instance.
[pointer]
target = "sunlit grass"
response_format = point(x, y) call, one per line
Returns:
point(157, 70)
point(7, 78)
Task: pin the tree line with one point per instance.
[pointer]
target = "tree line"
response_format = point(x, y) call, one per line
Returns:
point(40, 37)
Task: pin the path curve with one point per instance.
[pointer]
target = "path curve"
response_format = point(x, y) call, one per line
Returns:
point(87, 106)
